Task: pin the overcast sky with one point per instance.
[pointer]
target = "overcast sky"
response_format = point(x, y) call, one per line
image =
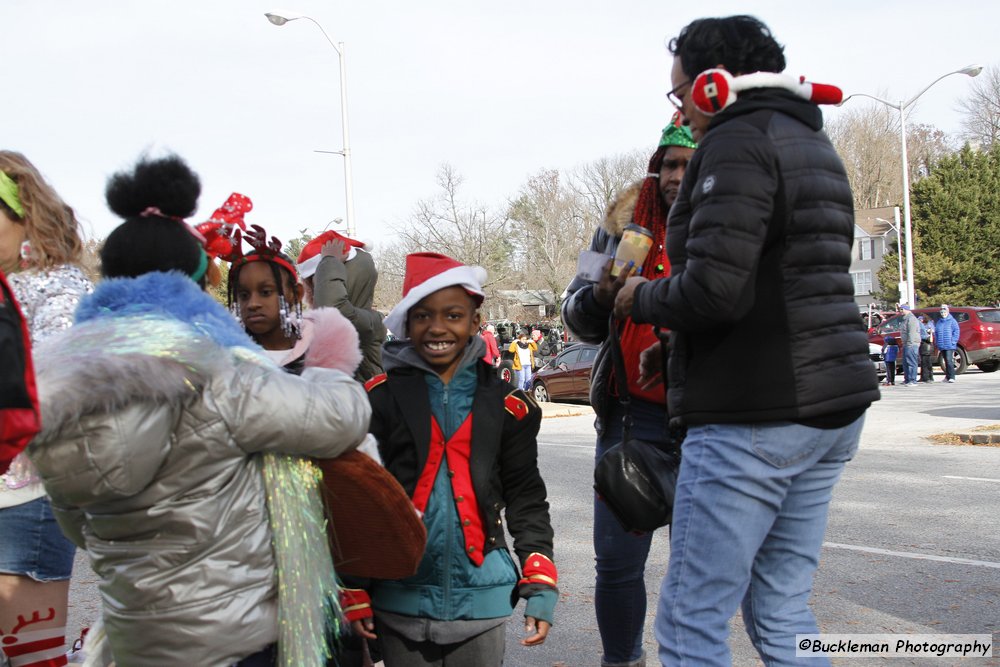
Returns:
point(499, 90)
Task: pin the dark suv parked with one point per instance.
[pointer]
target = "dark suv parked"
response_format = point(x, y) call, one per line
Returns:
point(978, 339)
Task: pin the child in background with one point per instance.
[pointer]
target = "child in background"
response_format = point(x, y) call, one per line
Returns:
point(523, 350)
point(890, 352)
point(463, 445)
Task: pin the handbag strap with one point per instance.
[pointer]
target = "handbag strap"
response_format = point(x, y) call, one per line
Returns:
point(621, 379)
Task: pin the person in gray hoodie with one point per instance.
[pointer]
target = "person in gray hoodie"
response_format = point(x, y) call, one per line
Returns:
point(339, 273)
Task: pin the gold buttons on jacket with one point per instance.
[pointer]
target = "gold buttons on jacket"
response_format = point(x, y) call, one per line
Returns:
point(466, 522)
point(459, 499)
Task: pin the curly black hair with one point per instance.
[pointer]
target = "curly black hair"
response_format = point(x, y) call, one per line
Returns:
point(152, 241)
point(165, 183)
point(742, 44)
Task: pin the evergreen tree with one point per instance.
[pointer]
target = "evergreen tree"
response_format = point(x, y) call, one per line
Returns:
point(956, 230)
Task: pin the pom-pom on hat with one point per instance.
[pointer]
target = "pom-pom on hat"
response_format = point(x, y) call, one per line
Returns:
point(310, 256)
point(426, 273)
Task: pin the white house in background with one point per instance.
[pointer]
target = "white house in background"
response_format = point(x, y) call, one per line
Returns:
point(875, 235)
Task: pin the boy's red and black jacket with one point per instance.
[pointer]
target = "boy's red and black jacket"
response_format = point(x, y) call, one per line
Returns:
point(504, 460)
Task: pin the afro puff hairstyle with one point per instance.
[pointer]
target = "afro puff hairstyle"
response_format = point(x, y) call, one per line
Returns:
point(153, 198)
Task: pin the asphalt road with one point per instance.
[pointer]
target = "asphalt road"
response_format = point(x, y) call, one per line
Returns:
point(912, 546)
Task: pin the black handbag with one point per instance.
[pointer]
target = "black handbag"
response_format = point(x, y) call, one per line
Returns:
point(636, 479)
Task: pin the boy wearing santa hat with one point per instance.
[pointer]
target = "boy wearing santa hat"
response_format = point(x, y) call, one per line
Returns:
point(463, 444)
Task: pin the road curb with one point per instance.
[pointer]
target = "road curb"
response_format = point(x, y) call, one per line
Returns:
point(550, 410)
point(978, 438)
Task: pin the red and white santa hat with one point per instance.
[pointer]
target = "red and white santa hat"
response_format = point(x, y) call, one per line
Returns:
point(426, 273)
point(310, 256)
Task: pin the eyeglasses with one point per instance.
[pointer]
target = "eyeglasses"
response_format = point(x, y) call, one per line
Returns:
point(674, 97)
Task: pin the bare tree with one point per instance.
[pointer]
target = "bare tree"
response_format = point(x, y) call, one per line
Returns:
point(981, 109)
point(597, 183)
point(546, 218)
point(867, 140)
point(468, 232)
point(390, 258)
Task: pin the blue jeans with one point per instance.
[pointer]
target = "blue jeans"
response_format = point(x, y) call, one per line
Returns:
point(911, 362)
point(749, 517)
point(620, 591)
point(522, 379)
point(949, 363)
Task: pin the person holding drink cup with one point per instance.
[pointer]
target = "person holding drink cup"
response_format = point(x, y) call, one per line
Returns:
point(634, 233)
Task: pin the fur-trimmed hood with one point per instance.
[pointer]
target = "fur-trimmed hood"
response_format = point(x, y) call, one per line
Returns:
point(620, 210)
point(157, 337)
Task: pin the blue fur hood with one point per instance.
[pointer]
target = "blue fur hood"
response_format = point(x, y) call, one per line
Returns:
point(153, 338)
point(170, 295)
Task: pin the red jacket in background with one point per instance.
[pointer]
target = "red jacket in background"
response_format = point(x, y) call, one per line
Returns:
point(19, 420)
point(492, 351)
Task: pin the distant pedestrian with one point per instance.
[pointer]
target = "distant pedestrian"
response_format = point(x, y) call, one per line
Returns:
point(523, 350)
point(492, 356)
point(910, 334)
point(946, 340)
point(927, 352)
point(890, 351)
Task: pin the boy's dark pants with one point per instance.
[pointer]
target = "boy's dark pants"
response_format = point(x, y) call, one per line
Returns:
point(890, 372)
point(483, 650)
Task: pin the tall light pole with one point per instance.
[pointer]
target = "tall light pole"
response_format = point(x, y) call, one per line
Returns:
point(902, 285)
point(901, 107)
point(279, 20)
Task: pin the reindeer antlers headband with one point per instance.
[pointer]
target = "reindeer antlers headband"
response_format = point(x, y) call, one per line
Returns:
point(266, 251)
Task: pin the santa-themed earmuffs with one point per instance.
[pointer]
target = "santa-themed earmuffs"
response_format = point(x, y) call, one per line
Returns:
point(715, 89)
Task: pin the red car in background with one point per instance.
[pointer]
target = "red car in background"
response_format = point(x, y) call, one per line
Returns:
point(566, 376)
point(978, 335)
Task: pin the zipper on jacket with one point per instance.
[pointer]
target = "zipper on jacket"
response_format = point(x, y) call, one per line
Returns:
point(449, 528)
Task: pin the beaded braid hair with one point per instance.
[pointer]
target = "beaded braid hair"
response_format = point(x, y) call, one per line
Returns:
point(291, 320)
point(651, 212)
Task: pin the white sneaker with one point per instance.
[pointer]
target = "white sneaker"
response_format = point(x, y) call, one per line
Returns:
point(951, 380)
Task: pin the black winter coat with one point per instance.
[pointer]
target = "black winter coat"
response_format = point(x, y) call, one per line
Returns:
point(759, 300)
point(587, 319)
point(504, 460)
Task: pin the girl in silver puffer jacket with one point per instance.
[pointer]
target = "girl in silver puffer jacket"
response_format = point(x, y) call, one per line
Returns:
point(164, 443)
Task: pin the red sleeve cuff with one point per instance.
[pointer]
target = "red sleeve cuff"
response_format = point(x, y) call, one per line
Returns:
point(355, 603)
point(539, 569)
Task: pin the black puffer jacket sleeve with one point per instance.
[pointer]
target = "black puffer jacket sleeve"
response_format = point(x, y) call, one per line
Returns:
point(581, 313)
point(730, 206)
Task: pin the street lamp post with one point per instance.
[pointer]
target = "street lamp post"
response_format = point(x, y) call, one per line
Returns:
point(899, 249)
point(901, 107)
point(279, 20)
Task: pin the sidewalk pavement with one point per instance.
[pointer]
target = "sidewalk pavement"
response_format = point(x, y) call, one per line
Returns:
point(564, 410)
